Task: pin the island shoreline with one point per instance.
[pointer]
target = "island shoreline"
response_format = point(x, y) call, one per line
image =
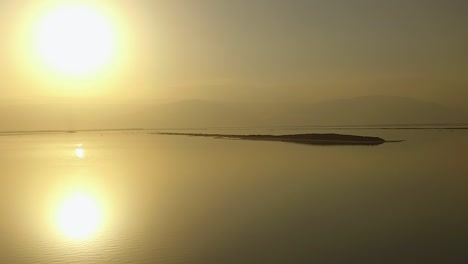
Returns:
point(308, 139)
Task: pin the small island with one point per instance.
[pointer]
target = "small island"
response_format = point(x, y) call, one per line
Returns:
point(309, 139)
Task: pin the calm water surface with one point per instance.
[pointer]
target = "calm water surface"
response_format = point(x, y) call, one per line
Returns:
point(145, 198)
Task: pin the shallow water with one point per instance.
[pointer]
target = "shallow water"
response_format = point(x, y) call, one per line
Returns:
point(177, 199)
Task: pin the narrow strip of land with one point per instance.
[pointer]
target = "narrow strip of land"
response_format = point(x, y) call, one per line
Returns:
point(32, 132)
point(309, 139)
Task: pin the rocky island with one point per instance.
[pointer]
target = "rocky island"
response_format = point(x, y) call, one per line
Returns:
point(309, 139)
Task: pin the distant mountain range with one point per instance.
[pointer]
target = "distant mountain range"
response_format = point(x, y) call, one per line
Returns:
point(371, 110)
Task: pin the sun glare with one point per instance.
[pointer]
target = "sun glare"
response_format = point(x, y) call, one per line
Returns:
point(80, 152)
point(75, 39)
point(79, 216)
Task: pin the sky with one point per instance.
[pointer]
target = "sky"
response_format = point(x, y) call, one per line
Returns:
point(255, 50)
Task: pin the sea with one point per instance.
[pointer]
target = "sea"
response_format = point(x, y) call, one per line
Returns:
point(138, 197)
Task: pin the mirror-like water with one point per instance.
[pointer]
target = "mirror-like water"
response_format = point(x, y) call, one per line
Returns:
point(132, 197)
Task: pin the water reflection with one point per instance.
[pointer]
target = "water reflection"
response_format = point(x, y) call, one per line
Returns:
point(79, 216)
point(79, 151)
point(117, 209)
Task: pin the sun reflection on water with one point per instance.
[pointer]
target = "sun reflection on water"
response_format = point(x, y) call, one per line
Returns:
point(80, 152)
point(79, 210)
point(79, 216)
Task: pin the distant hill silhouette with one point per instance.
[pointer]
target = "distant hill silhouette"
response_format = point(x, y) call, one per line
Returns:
point(377, 110)
point(370, 110)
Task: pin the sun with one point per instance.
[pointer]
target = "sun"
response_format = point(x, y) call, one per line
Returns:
point(79, 216)
point(75, 39)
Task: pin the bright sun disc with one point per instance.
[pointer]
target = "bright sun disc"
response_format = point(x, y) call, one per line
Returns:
point(75, 39)
point(79, 217)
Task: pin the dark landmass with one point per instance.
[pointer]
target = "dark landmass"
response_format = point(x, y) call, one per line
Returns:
point(309, 139)
point(416, 128)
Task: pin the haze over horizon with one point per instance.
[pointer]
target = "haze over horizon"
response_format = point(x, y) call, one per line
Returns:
point(200, 114)
point(233, 131)
point(295, 51)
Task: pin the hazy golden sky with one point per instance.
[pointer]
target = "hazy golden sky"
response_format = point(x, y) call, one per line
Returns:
point(254, 50)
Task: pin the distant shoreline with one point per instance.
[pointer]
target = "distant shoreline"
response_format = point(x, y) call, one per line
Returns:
point(321, 128)
point(298, 128)
point(31, 132)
